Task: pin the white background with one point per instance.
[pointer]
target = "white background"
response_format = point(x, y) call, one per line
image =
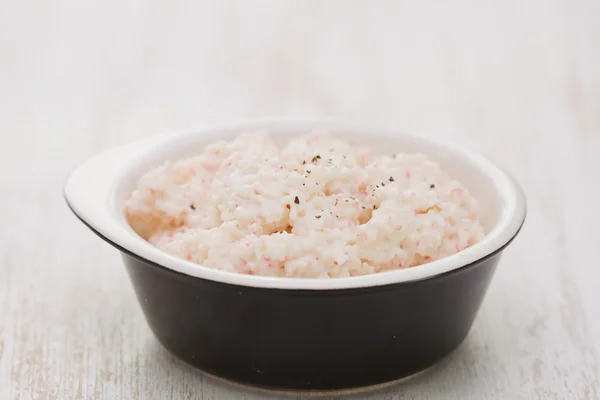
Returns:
point(518, 81)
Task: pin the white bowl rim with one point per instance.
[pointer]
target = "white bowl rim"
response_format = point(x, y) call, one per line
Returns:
point(89, 188)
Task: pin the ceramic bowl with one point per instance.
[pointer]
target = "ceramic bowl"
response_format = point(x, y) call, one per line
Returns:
point(286, 333)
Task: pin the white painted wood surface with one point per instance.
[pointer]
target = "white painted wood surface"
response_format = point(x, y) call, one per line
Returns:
point(518, 81)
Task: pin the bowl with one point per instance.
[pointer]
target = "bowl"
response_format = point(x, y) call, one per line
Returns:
point(302, 334)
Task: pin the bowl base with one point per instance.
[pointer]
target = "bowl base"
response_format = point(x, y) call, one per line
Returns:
point(321, 392)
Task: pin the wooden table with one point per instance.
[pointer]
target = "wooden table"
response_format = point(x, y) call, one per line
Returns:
point(517, 81)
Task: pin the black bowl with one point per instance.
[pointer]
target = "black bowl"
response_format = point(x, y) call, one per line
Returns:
point(285, 333)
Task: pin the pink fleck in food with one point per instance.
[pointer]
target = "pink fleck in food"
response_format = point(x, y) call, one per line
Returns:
point(209, 167)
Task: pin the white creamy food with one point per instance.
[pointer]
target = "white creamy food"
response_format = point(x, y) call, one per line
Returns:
point(318, 208)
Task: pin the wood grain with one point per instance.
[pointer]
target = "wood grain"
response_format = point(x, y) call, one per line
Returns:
point(517, 81)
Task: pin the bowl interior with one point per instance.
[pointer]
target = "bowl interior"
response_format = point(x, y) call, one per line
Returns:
point(98, 189)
